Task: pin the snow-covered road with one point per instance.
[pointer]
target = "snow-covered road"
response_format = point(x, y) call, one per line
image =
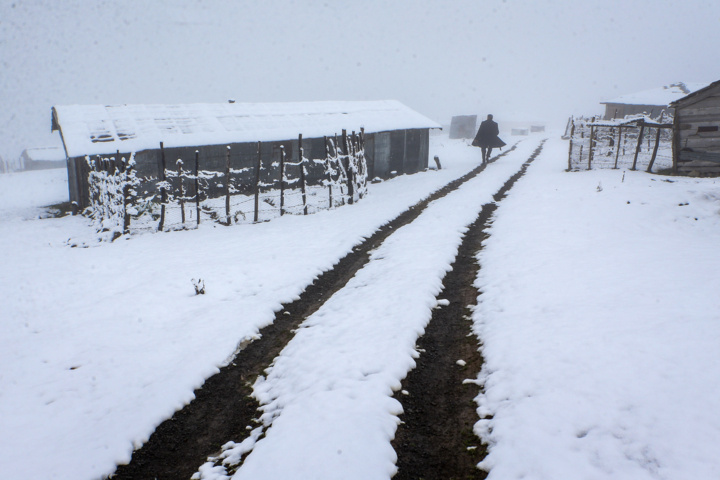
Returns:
point(328, 394)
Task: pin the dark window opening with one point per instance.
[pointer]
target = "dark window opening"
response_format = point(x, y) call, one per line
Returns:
point(707, 129)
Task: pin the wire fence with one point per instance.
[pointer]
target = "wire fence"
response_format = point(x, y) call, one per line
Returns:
point(634, 142)
point(185, 194)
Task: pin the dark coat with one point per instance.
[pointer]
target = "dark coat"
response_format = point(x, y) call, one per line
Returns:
point(487, 135)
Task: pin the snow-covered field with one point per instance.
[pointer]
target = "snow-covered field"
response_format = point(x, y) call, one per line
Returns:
point(600, 317)
point(599, 320)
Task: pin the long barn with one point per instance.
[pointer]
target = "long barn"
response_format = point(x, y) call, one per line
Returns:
point(396, 137)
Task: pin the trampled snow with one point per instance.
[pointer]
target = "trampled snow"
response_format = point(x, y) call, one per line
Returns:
point(600, 319)
point(99, 345)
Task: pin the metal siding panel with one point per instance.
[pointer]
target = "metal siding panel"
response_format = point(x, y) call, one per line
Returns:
point(383, 146)
point(397, 151)
point(370, 154)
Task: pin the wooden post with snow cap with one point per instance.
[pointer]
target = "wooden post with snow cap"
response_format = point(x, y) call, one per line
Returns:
point(302, 173)
point(197, 186)
point(127, 198)
point(572, 132)
point(282, 180)
point(655, 150)
point(163, 190)
point(257, 183)
point(348, 171)
point(591, 146)
point(227, 187)
point(182, 190)
point(639, 145)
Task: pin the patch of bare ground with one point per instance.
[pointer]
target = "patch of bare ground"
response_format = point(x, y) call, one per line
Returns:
point(223, 407)
point(436, 439)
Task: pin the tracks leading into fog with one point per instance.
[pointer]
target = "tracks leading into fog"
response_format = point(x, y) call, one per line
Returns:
point(436, 440)
point(223, 407)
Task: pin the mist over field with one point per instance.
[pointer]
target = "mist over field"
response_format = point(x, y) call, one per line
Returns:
point(528, 60)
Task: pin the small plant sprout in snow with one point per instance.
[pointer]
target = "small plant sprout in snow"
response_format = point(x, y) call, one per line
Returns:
point(199, 285)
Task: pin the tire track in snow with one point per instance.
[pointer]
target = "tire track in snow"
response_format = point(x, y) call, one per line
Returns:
point(223, 407)
point(436, 439)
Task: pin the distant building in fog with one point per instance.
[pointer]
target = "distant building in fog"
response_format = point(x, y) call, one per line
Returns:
point(43, 158)
point(651, 102)
point(463, 126)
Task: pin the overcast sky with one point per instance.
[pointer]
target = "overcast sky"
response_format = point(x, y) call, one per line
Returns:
point(522, 60)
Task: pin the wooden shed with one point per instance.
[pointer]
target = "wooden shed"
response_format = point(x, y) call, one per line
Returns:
point(696, 132)
point(648, 102)
point(396, 137)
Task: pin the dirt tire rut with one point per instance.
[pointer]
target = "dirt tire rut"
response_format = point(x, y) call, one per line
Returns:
point(436, 440)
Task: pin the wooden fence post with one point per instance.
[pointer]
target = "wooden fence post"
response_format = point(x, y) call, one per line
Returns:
point(639, 145)
point(182, 190)
point(257, 184)
point(329, 170)
point(675, 139)
point(617, 146)
point(591, 147)
point(282, 180)
point(655, 150)
point(127, 200)
point(227, 187)
point(302, 173)
point(197, 186)
point(572, 132)
point(163, 191)
point(346, 151)
point(582, 138)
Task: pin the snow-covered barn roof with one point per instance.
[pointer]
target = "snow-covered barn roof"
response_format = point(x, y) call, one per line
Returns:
point(662, 96)
point(98, 129)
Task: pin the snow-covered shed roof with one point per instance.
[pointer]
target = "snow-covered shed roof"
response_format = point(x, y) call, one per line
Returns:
point(97, 129)
point(695, 96)
point(662, 96)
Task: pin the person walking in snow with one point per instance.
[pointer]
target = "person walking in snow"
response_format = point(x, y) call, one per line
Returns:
point(487, 138)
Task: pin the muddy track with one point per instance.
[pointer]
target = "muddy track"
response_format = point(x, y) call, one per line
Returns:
point(223, 406)
point(436, 440)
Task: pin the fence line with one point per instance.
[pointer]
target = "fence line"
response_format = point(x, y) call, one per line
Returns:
point(181, 197)
point(626, 143)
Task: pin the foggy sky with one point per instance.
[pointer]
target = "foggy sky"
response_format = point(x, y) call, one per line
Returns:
point(521, 60)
